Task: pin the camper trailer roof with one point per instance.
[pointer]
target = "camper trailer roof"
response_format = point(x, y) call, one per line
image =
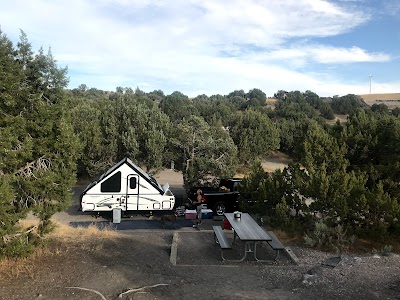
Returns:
point(138, 170)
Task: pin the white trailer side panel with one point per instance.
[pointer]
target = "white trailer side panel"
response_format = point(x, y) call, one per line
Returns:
point(127, 189)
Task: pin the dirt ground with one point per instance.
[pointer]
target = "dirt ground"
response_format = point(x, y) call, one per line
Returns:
point(138, 263)
point(142, 260)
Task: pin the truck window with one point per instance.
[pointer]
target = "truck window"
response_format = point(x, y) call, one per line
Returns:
point(112, 184)
point(224, 182)
point(236, 186)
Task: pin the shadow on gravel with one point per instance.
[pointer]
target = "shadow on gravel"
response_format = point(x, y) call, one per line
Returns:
point(199, 248)
point(134, 224)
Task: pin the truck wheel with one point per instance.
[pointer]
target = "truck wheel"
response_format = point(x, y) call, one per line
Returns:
point(219, 208)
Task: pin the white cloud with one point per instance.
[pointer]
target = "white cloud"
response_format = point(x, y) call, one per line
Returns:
point(190, 45)
point(392, 7)
point(324, 55)
point(329, 55)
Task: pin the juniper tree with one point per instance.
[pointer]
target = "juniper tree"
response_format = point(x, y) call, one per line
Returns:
point(38, 149)
point(254, 135)
point(205, 151)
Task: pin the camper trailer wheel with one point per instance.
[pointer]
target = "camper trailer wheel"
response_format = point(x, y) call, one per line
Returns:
point(219, 208)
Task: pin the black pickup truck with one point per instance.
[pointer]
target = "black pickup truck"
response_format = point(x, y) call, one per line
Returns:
point(222, 199)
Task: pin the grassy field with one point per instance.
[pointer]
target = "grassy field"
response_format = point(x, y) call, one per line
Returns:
point(391, 100)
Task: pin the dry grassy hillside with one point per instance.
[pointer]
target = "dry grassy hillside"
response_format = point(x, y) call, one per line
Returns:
point(391, 100)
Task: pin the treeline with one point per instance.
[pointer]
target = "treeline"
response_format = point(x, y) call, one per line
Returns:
point(202, 136)
point(49, 136)
point(345, 182)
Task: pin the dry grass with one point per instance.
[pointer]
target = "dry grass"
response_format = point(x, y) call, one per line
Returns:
point(384, 97)
point(288, 239)
point(16, 267)
point(63, 231)
point(276, 160)
point(171, 176)
point(389, 99)
point(341, 118)
point(271, 100)
point(26, 223)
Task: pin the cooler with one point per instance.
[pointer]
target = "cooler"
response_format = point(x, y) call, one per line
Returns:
point(227, 225)
point(206, 213)
point(190, 214)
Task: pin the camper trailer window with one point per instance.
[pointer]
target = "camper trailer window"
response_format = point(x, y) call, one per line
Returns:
point(112, 184)
point(132, 183)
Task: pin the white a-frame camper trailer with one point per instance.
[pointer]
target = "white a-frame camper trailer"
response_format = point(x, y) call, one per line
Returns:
point(127, 187)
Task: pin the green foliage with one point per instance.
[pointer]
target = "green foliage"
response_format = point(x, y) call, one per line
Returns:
point(396, 111)
point(319, 147)
point(254, 134)
point(328, 238)
point(294, 109)
point(255, 97)
point(277, 197)
point(386, 250)
point(178, 107)
point(372, 140)
point(380, 108)
point(281, 95)
point(38, 149)
point(348, 104)
point(205, 152)
point(18, 247)
point(127, 126)
point(347, 179)
point(312, 99)
point(97, 133)
point(237, 93)
point(216, 109)
point(281, 211)
point(292, 134)
point(9, 213)
point(319, 237)
point(326, 111)
point(346, 176)
point(253, 192)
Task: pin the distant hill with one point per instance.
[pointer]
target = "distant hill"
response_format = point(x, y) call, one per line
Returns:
point(391, 100)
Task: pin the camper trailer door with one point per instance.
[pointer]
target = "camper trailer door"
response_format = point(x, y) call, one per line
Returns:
point(132, 192)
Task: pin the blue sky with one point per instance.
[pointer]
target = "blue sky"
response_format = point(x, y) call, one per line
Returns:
point(217, 46)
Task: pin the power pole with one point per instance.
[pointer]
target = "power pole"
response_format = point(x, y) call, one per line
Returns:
point(370, 76)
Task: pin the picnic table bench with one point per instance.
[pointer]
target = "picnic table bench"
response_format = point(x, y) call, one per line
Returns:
point(221, 239)
point(275, 244)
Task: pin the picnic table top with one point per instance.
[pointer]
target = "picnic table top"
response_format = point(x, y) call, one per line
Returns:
point(246, 228)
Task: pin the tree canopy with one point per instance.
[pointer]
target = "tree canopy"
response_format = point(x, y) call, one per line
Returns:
point(38, 148)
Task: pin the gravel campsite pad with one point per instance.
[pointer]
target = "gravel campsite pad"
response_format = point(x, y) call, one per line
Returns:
point(137, 265)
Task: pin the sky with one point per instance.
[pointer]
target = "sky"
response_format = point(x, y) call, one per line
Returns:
point(217, 46)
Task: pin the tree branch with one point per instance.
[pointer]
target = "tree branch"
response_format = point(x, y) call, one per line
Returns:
point(9, 237)
point(89, 290)
point(41, 163)
point(142, 288)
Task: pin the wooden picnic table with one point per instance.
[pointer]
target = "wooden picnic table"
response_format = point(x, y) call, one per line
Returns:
point(248, 231)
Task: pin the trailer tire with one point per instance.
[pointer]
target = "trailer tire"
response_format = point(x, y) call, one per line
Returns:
point(219, 208)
